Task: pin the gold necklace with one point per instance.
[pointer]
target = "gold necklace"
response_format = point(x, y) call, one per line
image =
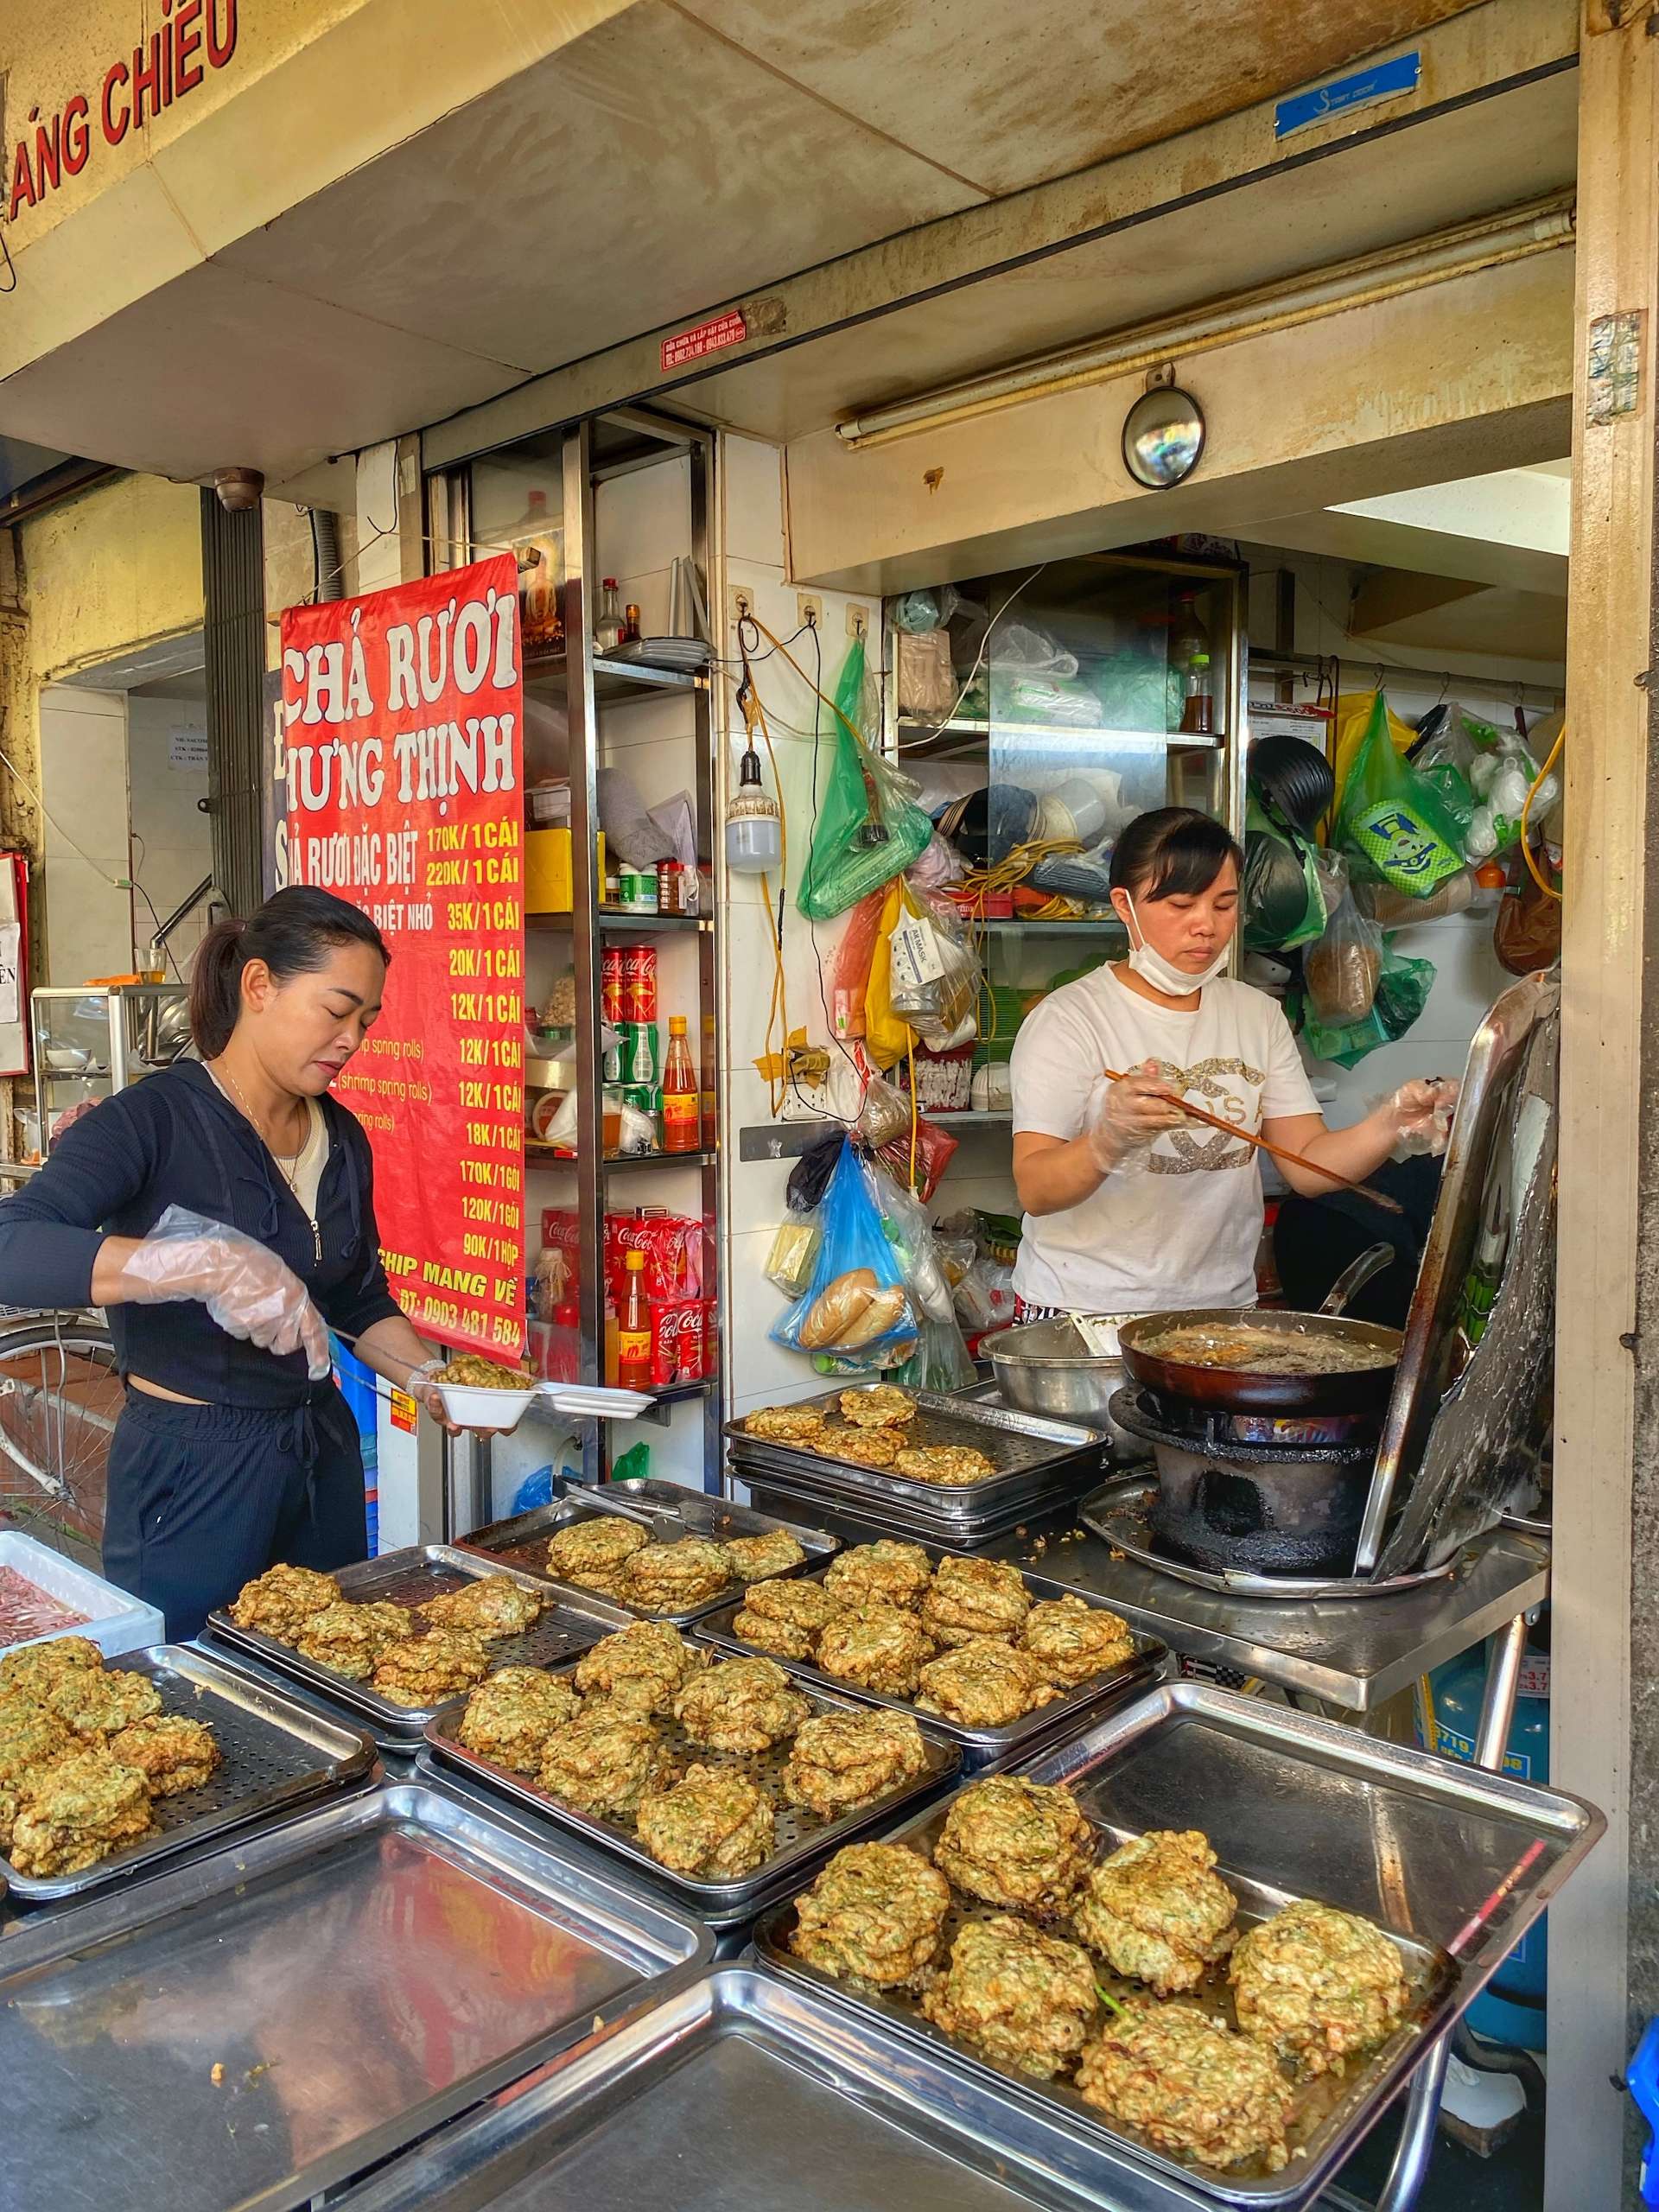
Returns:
point(284, 1168)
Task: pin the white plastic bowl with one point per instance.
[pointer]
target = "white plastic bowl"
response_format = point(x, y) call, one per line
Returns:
point(471, 1407)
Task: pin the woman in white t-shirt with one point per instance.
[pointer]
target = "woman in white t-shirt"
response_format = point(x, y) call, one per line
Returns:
point(1130, 1207)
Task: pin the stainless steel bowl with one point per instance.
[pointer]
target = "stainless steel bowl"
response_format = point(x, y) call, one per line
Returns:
point(1045, 1367)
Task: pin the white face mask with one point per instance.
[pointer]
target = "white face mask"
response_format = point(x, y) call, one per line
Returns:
point(1174, 982)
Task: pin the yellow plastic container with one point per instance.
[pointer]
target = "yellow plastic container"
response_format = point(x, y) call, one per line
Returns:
point(548, 880)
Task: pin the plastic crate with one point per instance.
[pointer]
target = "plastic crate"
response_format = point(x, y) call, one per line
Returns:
point(114, 1622)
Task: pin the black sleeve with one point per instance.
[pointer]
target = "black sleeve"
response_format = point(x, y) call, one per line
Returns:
point(51, 1229)
point(357, 1303)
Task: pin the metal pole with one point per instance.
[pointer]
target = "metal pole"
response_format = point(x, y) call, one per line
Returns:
point(1416, 2144)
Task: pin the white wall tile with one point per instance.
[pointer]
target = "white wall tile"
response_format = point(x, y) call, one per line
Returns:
point(753, 501)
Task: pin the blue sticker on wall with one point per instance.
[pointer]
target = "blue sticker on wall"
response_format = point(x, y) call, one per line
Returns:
point(1386, 80)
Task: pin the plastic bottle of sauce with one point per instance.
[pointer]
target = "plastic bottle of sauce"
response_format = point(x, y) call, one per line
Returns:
point(634, 1329)
point(682, 1092)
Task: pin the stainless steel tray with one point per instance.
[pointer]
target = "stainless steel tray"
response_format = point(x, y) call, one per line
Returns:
point(261, 2024)
point(804, 1838)
point(716, 2099)
point(274, 1754)
point(670, 1511)
point(1455, 1863)
point(980, 1747)
point(834, 1504)
point(1027, 1451)
point(572, 1622)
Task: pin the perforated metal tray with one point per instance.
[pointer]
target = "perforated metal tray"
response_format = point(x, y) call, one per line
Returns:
point(980, 1747)
point(572, 1622)
point(668, 1510)
point(1453, 1862)
point(836, 1507)
point(804, 1838)
point(274, 1755)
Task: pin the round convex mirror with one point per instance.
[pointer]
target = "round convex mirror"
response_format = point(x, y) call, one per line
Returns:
point(1163, 437)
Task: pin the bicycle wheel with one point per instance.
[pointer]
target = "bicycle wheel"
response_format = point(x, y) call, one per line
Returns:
point(60, 1397)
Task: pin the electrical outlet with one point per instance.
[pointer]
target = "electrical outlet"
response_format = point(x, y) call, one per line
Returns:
point(809, 611)
point(741, 601)
point(858, 621)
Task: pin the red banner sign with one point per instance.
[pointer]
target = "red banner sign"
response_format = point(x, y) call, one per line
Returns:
point(405, 721)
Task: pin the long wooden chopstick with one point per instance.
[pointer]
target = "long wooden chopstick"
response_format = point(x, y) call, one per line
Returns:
point(1280, 1152)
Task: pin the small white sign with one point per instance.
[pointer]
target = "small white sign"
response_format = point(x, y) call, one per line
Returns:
point(187, 749)
point(12, 1001)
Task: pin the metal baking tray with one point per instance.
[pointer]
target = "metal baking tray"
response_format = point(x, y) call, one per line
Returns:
point(955, 1532)
point(1454, 1862)
point(274, 1754)
point(573, 1620)
point(670, 1511)
point(718, 2099)
point(256, 2025)
point(1028, 1452)
point(804, 1838)
point(980, 1747)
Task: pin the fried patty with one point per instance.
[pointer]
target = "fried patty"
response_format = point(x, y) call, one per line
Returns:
point(972, 1598)
point(984, 1684)
point(879, 1405)
point(1025, 2000)
point(281, 1600)
point(807, 1605)
point(943, 1463)
point(592, 1551)
point(1071, 1641)
point(99, 1704)
point(426, 1669)
point(876, 1648)
point(31, 1736)
point(644, 1667)
point(784, 1424)
point(864, 1447)
point(877, 1913)
point(494, 1607)
point(172, 1753)
point(669, 1577)
point(78, 1812)
point(1316, 1986)
point(884, 1572)
point(510, 1718)
point(29, 1672)
point(841, 1760)
point(1191, 2087)
point(605, 1762)
point(1025, 1845)
point(746, 1705)
point(755, 1559)
point(1154, 1911)
point(778, 1637)
point(350, 1638)
point(716, 1824)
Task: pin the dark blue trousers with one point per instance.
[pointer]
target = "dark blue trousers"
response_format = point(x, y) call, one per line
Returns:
point(202, 1498)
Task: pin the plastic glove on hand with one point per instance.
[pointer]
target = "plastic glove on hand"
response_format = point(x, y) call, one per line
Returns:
point(247, 1288)
point(1125, 1117)
point(1422, 1111)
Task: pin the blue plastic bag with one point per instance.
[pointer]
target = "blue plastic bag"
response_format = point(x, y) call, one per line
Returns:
point(856, 1306)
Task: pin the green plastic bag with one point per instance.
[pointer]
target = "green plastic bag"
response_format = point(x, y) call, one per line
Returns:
point(1393, 820)
point(1284, 904)
point(1402, 991)
point(868, 828)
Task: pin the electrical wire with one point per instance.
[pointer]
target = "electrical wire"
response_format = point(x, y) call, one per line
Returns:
point(1547, 888)
point(115, 882)
point(928, 736)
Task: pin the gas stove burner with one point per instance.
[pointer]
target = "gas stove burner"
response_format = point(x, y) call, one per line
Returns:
point(1225, 1504)
point(1218, 1425)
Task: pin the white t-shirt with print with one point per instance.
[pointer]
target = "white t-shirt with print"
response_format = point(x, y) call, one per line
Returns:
point(1180, 1226)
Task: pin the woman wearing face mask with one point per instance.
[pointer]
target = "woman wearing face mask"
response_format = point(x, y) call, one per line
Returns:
point(235, 1450)
point(1130, 1207)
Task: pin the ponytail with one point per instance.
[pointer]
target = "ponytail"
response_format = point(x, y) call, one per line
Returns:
point(293, 933)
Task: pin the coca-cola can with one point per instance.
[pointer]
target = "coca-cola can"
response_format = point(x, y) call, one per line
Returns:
point(611, 983)
point(638, 982)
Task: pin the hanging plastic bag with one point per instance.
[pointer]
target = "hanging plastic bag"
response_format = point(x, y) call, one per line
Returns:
point(940, 1361)
point(1355, 711)
point(856, 1303)
point(1527, 933)
point(1284, 906)
point(934, 978)
point(1342, 971)
point(932, 1152)
point(1403, 989)
point(887, 1035)
point(854, 954)
point(868, 828)
point(1392, 820)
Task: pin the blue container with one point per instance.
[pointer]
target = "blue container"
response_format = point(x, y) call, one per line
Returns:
point(1512, 2009)
point(357, 1387)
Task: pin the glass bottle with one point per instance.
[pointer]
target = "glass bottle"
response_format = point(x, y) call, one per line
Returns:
point(682, 1093)
point(607, 631)
point(631, 623)
point(1190, 650)
point(633, 1328)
